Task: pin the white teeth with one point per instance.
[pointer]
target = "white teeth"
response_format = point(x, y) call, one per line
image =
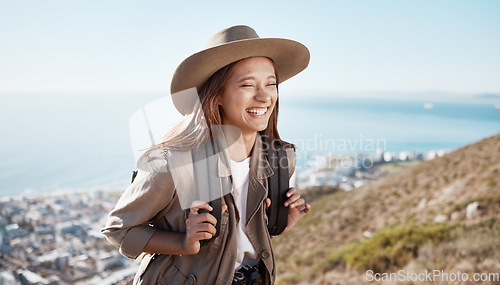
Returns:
point(257, 111)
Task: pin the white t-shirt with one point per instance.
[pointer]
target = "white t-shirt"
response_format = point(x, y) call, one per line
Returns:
point(246, 253)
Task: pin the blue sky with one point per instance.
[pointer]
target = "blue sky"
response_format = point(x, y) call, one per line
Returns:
point(134, 46)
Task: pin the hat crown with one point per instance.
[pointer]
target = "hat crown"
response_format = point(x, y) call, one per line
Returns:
point(231, 34)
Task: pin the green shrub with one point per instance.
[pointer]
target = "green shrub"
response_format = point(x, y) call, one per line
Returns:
point(335, 258)
point(394, 246)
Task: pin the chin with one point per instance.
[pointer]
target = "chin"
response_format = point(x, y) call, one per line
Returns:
point(256, 129)
point(261, 128)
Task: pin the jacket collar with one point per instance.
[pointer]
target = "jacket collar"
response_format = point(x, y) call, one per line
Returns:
point(260, 170)
point(259, 166)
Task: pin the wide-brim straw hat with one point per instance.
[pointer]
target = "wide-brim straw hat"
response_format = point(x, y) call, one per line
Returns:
point(230, 45)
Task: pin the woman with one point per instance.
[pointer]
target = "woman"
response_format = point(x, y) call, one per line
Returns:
point(237, 76)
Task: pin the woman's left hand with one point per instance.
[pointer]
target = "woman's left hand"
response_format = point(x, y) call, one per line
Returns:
point(297, 208)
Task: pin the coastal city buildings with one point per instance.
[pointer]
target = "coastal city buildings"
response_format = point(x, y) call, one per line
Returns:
point(57, 240)
point(352, 171)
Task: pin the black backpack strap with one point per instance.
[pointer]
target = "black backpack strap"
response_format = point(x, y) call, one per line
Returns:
point(208, 184)
point(278, 186)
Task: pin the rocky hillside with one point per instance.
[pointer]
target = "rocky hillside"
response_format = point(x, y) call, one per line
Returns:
point(440, 214)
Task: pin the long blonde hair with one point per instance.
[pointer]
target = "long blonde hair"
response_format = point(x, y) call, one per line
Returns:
point(197, 126)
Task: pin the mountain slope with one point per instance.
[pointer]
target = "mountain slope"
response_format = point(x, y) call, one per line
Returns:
point(415, 198)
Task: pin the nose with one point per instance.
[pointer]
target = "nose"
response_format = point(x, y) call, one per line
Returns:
point(263, 95)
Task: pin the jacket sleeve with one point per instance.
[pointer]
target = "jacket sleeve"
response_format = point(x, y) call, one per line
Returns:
point(128, 224)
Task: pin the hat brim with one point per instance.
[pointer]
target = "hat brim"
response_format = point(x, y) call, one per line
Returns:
point(290, 57)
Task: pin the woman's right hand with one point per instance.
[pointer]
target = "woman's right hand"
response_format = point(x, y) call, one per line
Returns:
point(199, 226)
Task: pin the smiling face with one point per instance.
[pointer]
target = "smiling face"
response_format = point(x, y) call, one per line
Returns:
point(250, 95)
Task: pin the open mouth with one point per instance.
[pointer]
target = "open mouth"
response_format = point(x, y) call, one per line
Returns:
point(257, 111)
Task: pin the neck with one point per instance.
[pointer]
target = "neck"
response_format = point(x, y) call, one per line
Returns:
point(239, 145)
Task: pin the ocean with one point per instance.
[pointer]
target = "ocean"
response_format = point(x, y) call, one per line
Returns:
point(66, 142)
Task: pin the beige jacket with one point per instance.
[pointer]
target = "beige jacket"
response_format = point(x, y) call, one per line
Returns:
point(151, 203)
